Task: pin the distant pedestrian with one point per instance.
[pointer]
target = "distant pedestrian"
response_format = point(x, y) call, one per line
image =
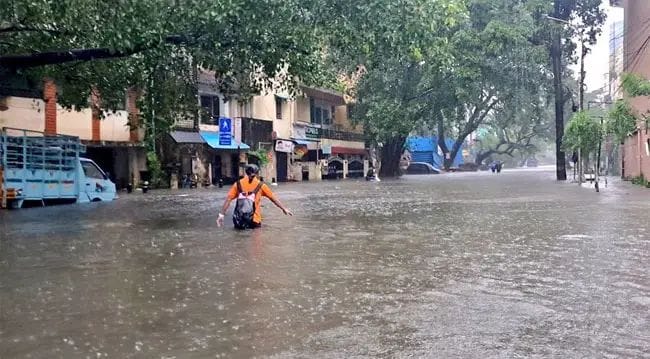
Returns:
point(248, 192)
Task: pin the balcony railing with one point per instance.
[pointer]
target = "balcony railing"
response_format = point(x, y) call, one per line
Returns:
point(341, 135)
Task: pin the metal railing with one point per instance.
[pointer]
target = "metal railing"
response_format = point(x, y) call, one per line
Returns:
point(341, 135)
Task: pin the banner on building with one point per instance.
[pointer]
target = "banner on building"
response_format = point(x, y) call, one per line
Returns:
point(306, 132)
point(327, 149)
point(299, 152)
point(284, 146)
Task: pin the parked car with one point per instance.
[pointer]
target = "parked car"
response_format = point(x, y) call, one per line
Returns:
point(532, 162)
point(421, 168)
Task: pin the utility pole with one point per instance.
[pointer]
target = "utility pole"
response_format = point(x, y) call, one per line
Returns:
point(583, 53)
point(556, 60)
point(600, 143)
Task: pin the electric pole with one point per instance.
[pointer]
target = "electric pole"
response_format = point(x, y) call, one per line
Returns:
point(556, 60)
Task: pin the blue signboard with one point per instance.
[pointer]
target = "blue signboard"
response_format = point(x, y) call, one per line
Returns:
point(225, 131)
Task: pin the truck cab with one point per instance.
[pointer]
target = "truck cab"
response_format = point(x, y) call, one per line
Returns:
point(96, 186)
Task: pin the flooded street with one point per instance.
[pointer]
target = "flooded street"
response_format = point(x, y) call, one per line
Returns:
point(451, 266)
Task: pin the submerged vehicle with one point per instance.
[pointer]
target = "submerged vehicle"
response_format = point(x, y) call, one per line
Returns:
point(35, 166)
point(421, 168)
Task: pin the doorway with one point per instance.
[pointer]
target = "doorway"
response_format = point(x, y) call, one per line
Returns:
point(283, 163)
point(216, 169)
point(234, 160)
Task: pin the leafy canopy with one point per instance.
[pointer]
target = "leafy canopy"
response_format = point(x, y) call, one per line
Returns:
point(584, 133)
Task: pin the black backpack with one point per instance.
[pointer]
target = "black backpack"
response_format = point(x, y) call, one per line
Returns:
point(245, 207)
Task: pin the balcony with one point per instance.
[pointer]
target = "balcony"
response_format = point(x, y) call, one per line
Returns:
point(341, 135)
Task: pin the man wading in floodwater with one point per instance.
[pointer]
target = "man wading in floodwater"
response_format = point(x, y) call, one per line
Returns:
point(248, 192)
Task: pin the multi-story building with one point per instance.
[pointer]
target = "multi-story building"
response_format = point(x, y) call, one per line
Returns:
point(113, 139)
point(308, 137)
point(635, 151)
point(616, 61)
point(193, 149)
point(327, 145)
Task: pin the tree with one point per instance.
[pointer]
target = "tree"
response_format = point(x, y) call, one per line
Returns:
point(495, 61)
point(621, 121)
point(591, 18)
point(450, 80)
point(156, 46)
point(516, 128)
point(584, 133)
point(635, 85)
point(395, 42)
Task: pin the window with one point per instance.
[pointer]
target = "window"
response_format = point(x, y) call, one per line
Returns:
point(210, 109)
point(278, 108)
point(244, 109)
point(327, 118)
point(321, 113)
point(92, 171)
point(317, 116)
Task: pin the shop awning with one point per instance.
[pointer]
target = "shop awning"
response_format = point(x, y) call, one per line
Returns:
point(348, 151)
point(212, 139)
point(186, 137)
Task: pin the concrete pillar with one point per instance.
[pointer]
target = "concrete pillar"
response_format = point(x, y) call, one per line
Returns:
point(173, 181)
point(134, 168)
point(345, 168)
point(49, 96)
point(134, 115)
point(366, 167)
point(95, 106)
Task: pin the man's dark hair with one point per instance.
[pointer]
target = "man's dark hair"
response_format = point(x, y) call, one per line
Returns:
point(251, 172)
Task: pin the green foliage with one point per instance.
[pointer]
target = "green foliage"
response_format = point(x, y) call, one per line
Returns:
point(261, 155)
point(621, 120)
point(400, 41)
point(583, 133)
point(156, 173)
point(635, 85)
point(157, 45)
point(469, 67)
point(641, 181)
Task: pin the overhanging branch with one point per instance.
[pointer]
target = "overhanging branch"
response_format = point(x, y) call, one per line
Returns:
point(60, 57)
point(23, 28)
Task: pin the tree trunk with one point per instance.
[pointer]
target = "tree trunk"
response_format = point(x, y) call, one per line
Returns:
point(449, 162)
point(391, 154)
point(556, 59)
point(442, 144)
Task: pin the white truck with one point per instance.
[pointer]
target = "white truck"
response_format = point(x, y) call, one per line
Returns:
point(35, 166)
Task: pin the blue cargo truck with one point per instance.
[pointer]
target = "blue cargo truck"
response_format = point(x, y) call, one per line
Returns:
point(35, 166)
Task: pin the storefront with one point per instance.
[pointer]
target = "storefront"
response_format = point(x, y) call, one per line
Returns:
point(226, 159)
point(283, 151)
point(306, 158)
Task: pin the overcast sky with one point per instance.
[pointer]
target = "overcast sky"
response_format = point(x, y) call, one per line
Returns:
point(597, 61)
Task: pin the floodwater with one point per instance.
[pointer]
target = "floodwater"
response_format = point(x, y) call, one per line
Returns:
point(449, 266)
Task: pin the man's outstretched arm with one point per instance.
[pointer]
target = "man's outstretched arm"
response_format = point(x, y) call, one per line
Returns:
point(268, 194)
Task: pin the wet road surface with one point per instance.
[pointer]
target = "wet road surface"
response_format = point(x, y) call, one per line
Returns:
point(449, 266)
